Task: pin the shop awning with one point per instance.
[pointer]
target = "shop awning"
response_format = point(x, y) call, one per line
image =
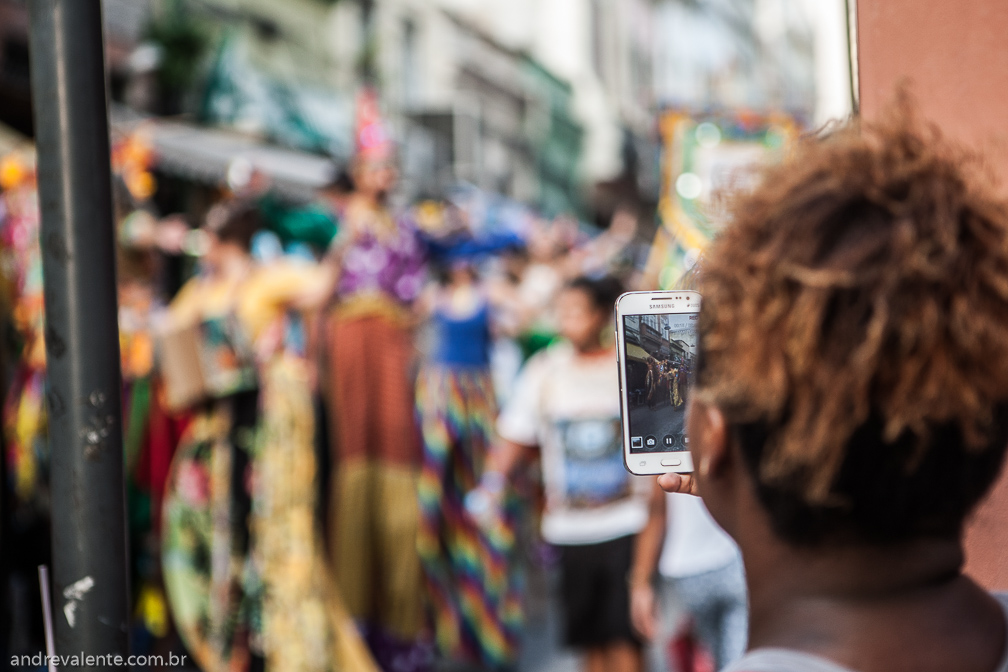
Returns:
point(204, 154)
point(636, 352)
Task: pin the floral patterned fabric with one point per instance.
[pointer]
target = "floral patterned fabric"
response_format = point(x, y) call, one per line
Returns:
point(242, 557)
point(390, 263)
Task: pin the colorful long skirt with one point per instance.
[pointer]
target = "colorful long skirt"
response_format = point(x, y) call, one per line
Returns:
point(270, 595)
point(470, 570)
point(376, 456)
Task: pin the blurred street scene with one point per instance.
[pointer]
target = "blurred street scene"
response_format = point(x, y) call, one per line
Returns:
point(355, 240)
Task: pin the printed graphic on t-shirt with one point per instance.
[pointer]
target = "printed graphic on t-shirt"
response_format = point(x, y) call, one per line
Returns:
point(593, 462)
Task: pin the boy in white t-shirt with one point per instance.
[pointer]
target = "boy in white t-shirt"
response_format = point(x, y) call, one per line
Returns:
point(566, 405)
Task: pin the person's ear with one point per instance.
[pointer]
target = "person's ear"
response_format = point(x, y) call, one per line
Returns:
point(708, 435)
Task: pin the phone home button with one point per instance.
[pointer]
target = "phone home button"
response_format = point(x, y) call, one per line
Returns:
point(673, 462)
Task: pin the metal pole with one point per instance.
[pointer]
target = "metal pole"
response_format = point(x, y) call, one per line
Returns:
point(853, 58)
point(82, 339)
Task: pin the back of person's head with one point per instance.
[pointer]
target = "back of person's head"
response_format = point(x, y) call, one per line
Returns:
point(235, 222)
point(854, 334)
point(341, 182)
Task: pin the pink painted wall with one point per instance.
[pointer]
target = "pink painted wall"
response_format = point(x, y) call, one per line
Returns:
point(955, 53)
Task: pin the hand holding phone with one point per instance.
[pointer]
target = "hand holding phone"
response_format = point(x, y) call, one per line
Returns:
point(682, 484)
point(656, 335)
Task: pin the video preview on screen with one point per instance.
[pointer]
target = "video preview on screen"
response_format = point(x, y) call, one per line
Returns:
point(660, 351)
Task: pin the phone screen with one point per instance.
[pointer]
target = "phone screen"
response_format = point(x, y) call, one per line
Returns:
point(659, 361)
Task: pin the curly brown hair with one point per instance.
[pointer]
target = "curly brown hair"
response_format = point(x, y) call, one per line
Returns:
point(855, 332)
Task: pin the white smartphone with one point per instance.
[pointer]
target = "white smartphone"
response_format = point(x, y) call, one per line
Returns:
point(656, 340)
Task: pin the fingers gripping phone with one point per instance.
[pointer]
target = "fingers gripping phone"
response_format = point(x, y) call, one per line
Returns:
point(656, 337)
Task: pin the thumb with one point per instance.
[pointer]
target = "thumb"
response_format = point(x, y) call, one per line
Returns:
point(678, 483)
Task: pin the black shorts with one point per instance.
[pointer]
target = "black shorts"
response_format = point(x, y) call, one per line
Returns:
point(595, 594)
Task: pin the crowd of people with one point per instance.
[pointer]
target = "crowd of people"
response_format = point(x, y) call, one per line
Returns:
point(336, 429)
point(667, 380)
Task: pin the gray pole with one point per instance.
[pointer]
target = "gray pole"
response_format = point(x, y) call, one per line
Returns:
point(852, 55)
point(82, 339)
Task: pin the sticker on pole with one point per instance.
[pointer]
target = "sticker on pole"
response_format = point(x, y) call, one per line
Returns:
point(73, 594)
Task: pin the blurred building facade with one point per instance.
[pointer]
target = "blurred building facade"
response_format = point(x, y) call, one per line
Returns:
point(478, 79)
point(763, 55)
point(550, 102)
point(125, 24)
point(604, 49)
point(537, 101)
point(263, 68)
point(469, 108)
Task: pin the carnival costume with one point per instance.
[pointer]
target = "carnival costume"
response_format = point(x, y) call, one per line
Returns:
point(376, 442)
point(243, 564)
point(470, 569)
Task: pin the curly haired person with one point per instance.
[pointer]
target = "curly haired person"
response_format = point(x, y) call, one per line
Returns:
point(851, 401)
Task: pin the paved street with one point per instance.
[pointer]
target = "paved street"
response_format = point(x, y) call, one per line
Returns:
point(661, 422)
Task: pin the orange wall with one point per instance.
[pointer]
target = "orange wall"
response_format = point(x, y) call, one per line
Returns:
point(956, 54)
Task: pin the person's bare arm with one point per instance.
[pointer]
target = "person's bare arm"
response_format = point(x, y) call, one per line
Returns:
point(506, 457)
point(313, 296)
point(503, 461)
point(424, 306)
point(646, 554)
